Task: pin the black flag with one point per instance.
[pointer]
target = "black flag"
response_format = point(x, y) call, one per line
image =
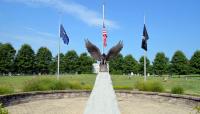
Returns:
point(145, 38)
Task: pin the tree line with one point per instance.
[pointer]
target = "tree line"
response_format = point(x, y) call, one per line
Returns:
point(27, 62)
point(161, 65)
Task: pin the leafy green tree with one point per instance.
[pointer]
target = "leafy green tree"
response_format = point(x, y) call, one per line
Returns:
point(130, 65)
point(54, 64)
point(62, 63)
point(160, 64)
point(141, 65)
point(7, 55)
point(43, 60)
point(195, 62)
point(24, 61)
point(116, 65)
point(150, 69)
point(179, 63)
point(71, 62)
point(85, 63)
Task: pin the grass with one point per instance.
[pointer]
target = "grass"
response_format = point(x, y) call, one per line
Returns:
point(44, 84)
point(191, 85)
point(6, 89)
point(73, 82)
point(177, 90)
point(149, 85)
point(3, 110)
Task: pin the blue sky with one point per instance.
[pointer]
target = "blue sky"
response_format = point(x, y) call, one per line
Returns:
point(172, 24)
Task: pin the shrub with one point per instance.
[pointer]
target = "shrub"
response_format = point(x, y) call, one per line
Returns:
point(197, 109)
point(140, 85)
point(123, 88)
point(5, 89)
point(75, 85)
point(153, 86)
point(38, 84)
point(3, 110)
point(87, 87)
point(43, 84)
point(157, 87)
point(60, 85)
point(177, 90)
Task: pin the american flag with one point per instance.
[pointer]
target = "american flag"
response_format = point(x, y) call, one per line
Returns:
point(104, 34)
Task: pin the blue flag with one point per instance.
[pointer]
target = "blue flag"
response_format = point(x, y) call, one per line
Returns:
point(63, 35)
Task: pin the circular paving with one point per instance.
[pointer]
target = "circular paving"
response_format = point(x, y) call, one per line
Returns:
point(136, 104)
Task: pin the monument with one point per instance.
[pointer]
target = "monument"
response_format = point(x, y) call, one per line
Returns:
point(102, 99)
point(103, 58)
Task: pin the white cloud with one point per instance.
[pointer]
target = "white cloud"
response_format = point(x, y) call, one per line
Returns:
point(79, 11)
point(41, 33)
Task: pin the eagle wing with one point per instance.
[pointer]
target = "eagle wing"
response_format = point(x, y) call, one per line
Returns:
point(93, 50)
point(114, 51)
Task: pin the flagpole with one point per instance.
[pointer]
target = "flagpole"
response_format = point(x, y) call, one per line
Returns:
point(145, 76)
point(103, 28)
point(58, 67)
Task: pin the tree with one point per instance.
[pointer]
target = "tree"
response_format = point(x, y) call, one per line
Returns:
point(150, 69)
point(179, 63)
point(85, 63)
point(141, 65)
point(160, 64)
point(130, 65)
point(43, 60)
point(71, 62)
point(7, 55)
point(24, 61)
point(54, 64)
point(116, 65)
point(195, 62)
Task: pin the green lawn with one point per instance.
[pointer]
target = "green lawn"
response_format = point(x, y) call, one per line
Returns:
point(191, 85)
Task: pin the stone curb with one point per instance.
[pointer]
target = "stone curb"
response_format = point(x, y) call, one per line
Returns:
point(188, 97)
point(23, 97)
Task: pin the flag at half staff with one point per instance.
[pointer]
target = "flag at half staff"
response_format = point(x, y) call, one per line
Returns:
point(63, 35)
point(104, 34)
point(145, 38)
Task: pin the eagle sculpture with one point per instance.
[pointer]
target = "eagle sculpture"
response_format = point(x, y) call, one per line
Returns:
point(103, 58)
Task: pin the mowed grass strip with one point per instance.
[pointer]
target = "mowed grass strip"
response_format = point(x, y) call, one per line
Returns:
point(191, 84)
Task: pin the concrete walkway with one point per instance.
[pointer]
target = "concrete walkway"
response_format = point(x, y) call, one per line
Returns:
point(102, 100)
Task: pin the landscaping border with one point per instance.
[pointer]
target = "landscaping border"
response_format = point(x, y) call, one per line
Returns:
point(17, 98)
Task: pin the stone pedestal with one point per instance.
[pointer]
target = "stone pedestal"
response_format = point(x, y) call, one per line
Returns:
point(103, 68)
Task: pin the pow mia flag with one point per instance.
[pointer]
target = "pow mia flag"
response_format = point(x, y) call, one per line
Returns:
point(145, 38)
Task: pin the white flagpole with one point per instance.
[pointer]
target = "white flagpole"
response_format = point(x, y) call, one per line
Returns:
point(102, 31)
point(145, 75)
point(58, 68)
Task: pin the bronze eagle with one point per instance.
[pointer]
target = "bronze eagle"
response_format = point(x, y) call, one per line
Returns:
point(103, 58)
